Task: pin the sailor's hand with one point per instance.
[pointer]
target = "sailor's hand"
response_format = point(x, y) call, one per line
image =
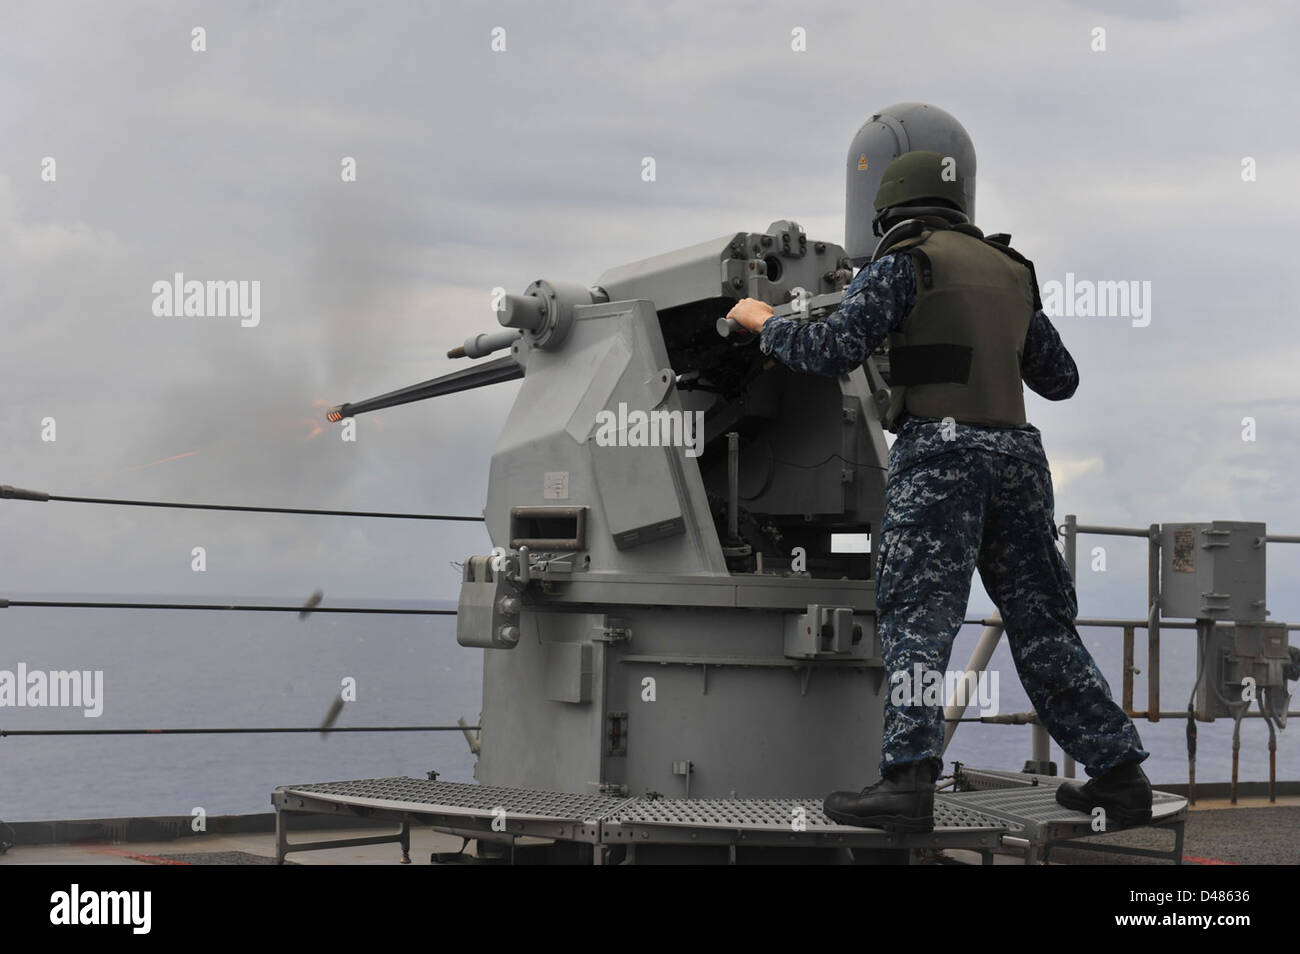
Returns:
point(750, 313)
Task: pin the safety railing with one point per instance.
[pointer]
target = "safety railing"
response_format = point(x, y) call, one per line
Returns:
point(1153, 624)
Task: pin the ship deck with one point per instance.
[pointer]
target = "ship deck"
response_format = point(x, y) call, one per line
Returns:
point(967, 832)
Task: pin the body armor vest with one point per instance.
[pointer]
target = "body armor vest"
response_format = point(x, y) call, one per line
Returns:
point(959, 350)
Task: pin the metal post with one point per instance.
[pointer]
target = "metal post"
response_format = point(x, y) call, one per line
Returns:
point(281, 834)
point(1236, 754)
point(1153, 622)
point(1127, 703)
point(1072, 561)
point(1272, 761)
point(1040, 749)
point(979, 660)
point(1071, 543)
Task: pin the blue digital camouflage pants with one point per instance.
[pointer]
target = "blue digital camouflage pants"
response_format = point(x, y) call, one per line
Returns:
point(973, 509)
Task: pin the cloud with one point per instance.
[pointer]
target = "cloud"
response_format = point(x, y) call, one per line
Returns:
point(479, 169)
point(1066, 471)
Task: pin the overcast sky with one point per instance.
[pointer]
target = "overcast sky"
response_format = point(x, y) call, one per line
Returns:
point(478, 168)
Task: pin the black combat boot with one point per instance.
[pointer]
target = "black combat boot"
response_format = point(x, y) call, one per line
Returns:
point(1124, 793)
point(902, 801)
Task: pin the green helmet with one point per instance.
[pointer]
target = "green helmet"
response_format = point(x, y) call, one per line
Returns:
point(918, 177)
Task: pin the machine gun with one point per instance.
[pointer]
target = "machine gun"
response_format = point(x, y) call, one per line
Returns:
point(808, 460)
point(632, 547)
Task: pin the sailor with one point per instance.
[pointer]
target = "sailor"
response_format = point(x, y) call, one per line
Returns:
point(968, 488)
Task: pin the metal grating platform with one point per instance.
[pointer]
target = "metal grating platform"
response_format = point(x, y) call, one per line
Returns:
point(773, 814)
point(421, 795)
point(477, 811)
point(1036, 807)
point(1011, 804)
point(1030, 802)
point(788, 822)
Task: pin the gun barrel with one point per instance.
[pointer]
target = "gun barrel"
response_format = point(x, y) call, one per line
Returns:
point(479, 376)
point(481, 345)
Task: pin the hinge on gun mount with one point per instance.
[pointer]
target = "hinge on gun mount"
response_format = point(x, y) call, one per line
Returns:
point(616, 733)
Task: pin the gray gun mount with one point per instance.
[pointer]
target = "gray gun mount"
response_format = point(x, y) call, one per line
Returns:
point(681, 621)
point(663, 609)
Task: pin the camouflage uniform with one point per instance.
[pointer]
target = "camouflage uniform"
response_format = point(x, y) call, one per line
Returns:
point(960, 498)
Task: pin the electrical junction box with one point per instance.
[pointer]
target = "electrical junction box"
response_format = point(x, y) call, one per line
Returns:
point(1245, 666)
point(1212, 570)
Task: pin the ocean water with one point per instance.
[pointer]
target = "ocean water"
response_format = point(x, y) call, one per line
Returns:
point(166, 668)
point(170, 668)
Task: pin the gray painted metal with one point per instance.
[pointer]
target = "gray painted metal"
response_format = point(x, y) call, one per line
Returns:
point(769, 266)
point(471, 810)
point(708, 686)
point(758, 814)
point(903, 127)
point(483, 344)
point(633, 644)
point(1033, 806)
point(1228, 656)
point(418, 794)
point(1213, 570)
point(1029, 801)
